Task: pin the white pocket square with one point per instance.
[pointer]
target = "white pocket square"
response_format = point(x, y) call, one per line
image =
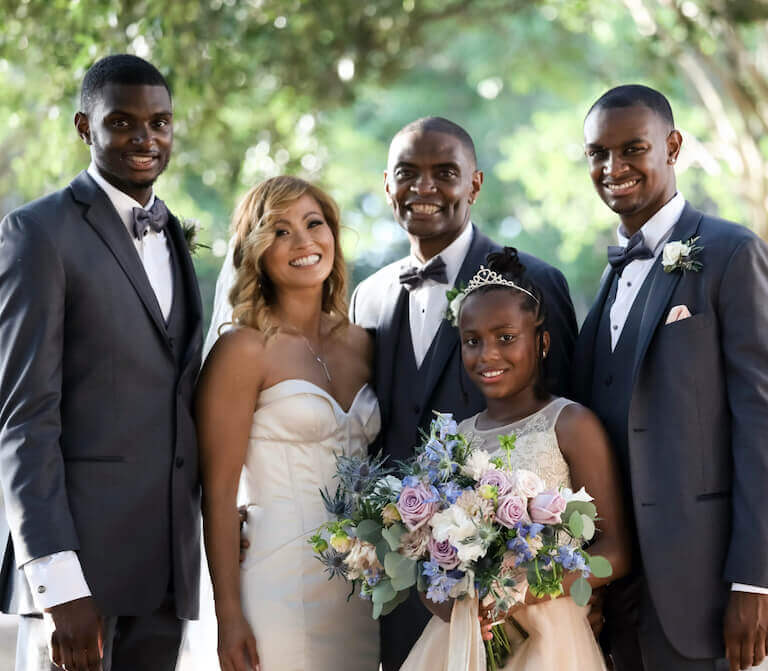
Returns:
point(677, 313)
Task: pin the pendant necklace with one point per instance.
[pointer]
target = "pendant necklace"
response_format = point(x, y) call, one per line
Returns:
point(318, 358)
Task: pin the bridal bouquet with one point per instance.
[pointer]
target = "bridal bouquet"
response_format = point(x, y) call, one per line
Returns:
point(456, 523)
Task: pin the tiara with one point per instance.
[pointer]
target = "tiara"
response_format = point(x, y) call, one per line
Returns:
point(482, 278)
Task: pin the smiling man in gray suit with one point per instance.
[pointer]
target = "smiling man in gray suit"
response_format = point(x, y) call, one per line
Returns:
point(100, 339)
point(673, 358)
point(432, 180)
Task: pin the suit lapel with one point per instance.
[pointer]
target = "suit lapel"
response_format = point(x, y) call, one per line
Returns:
point(663, 284)
point(105, 221)
point(192, 292)
point(447, 338)
point(394, 301)
point(584, 357)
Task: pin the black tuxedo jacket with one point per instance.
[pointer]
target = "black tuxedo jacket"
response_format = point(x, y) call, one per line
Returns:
point(698, 417)
point(98, 451)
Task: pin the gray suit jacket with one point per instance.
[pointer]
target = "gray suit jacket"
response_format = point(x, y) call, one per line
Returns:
point(697, 428)
point(97, 443)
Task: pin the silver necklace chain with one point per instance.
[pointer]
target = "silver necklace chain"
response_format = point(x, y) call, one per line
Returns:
point(318, 358)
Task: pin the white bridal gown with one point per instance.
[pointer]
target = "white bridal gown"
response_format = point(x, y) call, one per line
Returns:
point(301, 620)
point(559, 637)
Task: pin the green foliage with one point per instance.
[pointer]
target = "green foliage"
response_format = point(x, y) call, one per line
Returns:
point(369, 531)
point(580, 591)
point(393, 534)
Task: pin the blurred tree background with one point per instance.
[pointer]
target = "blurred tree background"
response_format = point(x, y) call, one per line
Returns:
point(318, 87)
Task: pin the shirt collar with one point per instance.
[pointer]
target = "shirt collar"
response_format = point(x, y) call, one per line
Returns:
point(659, 226)
point(120, 200)
point(453, 255)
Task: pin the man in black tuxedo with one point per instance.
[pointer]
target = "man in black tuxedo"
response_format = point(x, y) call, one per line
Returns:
point(673, 358)
point(431, 181)
point(100, 339)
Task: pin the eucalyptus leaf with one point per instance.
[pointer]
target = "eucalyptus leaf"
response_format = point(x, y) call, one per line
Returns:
point(394, 603)
point(575, 523)
point(393, 534)
point(382, 548)
point(383, 592)
point(589, 528)
point(401, 570)
point(369, 531)
point(600, 567)
point(581, 590)
point(377, 608)
point(584, 507)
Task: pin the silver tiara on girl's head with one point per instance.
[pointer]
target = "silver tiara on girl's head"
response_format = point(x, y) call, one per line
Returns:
point(483, 277)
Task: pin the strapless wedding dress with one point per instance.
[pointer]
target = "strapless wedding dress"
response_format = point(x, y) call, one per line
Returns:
point(301, 620)
point(559, 636)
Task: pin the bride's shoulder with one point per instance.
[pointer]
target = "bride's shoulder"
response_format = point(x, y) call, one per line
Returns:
point(233, 346)
point(357, 341)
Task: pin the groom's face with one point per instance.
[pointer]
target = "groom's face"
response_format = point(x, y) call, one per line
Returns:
point(130, 132)
point(431, 181)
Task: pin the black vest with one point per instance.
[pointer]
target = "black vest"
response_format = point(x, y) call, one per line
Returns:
point(612, 379)
point(407, 394)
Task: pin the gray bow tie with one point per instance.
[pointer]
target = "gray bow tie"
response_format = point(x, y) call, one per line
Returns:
point(636, 248)
point(412, 278)
point(155, 218)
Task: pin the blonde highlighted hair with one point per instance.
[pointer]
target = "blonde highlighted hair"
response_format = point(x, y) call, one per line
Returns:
point(253, 293)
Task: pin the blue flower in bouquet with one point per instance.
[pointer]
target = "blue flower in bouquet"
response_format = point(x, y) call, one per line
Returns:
point(571, 560)
point(528, 530)
point(444, 425)
point(450, 491)
point(359, 474)
point(430, 568)
point(521, 549)
point(334, 563)
point(440, 582)
point(411, 481)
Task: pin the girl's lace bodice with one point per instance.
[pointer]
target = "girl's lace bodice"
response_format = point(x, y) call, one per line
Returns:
point(536, 447)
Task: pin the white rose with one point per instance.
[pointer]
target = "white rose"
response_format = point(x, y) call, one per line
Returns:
point(673, 253)
point(581, 495)
point(455, 305)
point(477, 464)
point(526, 483)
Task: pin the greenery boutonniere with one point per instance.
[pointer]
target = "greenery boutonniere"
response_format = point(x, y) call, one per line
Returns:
point(680, 255)
point(190, 228)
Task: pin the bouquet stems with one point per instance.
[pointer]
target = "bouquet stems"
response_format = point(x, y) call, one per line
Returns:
point(497, 649)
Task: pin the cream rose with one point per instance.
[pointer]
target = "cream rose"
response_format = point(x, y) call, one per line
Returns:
point(673, 253)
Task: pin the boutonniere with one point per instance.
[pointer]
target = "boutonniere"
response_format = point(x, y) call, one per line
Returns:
point(681, 255)
point(190, 228)
point(455, 296)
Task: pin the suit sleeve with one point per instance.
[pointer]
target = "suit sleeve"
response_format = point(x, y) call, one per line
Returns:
point(32, 303)
point(742, 302)
point(561, 324)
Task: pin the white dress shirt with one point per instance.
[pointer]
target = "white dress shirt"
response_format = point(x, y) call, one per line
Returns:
point(427, 303)
point(58, 578)
point(656, 232)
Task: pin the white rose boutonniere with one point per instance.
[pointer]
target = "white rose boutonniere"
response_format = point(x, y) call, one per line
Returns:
point(455, 297)
point(679, 255)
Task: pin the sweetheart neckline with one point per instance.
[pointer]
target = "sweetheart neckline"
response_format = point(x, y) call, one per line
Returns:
point(320, 392)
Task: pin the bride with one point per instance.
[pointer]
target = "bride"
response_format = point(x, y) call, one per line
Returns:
point(279, 396)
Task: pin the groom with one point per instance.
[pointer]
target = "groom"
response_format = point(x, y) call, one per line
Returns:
point(100, 338)
point(673, 357)
point(431, 181)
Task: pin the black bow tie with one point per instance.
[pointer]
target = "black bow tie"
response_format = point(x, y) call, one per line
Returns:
point(636, 248)
point(155, 218)
point(434, 270)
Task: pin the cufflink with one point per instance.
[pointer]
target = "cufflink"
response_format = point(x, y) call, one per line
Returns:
point(41, 589)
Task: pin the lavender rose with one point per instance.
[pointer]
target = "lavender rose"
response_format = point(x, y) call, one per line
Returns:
point(511, 510)
point(443, 553)
point(547, 508)
point(493, 476)
point(416, 505)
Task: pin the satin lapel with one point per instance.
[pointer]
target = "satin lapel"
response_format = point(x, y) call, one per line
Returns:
point(447, 336)
point(105, 221)
point(584, 356)
point(192, 290)
point(663, 284)
point(394, 301)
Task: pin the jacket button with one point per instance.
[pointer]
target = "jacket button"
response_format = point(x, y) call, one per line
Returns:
point(41, 589)
point(179, 462)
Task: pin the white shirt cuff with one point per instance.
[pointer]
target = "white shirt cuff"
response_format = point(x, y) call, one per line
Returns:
point(56, 579)
point(738, 587)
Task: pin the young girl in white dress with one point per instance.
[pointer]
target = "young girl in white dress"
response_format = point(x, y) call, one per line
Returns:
point(279, 397)
point(503, 345)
